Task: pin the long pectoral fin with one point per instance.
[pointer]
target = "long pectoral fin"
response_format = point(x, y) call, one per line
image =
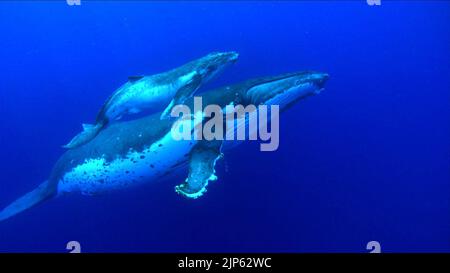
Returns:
point(201, 169)
point(186, 91)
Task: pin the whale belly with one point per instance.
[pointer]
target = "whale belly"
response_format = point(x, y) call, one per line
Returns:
point(97, 175)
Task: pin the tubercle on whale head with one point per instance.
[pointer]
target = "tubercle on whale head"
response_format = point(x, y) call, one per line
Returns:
point(286, 89)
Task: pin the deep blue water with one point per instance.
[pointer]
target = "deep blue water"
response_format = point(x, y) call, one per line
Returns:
point(367, 159)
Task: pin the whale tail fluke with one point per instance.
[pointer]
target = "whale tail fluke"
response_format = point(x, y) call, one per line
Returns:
point(29, 200)
point(89, 132)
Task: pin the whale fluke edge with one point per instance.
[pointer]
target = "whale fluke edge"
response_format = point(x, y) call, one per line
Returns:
point(43, 192)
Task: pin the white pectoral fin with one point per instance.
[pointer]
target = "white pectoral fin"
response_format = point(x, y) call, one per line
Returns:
point(166, 113)
point(201, 169)
point(189, 78)
point(191, 84)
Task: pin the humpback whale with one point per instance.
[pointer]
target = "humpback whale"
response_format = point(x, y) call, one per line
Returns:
point(129, 153)
point(155, 91)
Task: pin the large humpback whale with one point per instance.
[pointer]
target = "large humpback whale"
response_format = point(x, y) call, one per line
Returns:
point(156, 92)
point(139, 151)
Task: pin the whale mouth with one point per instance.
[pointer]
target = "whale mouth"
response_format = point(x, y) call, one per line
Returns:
point(288, 89)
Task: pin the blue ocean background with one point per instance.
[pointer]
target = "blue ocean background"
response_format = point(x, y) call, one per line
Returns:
point(367, 159)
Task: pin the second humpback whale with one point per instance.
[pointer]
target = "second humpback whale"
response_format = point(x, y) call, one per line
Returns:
point(139, 151)
point(156, 92)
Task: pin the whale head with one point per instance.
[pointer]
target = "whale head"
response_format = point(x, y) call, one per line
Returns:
point(286, 89)
point(214, 63)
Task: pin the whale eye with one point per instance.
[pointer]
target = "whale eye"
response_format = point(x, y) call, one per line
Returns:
point(298, 82)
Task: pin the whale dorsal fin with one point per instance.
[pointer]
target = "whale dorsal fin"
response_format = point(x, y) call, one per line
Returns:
point(134, 78)
point(87, 126)
point(202, 162)
point(89, 132)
